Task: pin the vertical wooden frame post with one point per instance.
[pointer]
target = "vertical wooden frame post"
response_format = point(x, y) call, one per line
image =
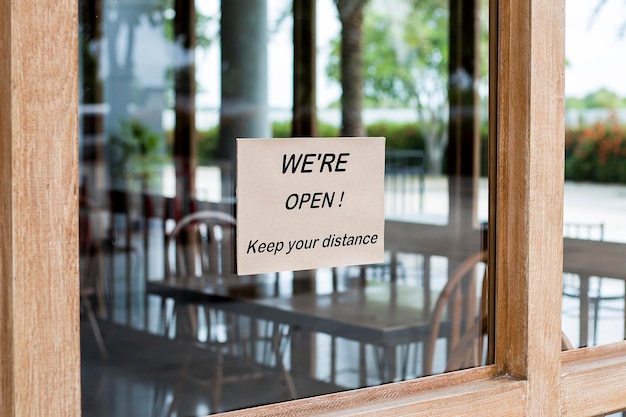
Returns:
point(529, 239)
point(39, 280)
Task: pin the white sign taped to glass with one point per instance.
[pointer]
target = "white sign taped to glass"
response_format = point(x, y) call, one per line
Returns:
point(306, 203)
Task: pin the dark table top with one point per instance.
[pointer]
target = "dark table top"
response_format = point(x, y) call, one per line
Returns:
point(381, 313)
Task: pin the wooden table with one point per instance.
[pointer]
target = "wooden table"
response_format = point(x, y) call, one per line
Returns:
point(385, 315)
point(588, 258)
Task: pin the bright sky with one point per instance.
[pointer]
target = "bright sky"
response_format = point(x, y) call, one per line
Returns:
point(279, 56)
point(596, 54)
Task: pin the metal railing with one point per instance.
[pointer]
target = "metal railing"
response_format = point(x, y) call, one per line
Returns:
point(404, 181)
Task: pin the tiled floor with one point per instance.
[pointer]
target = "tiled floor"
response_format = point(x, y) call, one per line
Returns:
point(142, 378)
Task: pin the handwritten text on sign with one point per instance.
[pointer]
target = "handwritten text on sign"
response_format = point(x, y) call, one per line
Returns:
point(309, 203)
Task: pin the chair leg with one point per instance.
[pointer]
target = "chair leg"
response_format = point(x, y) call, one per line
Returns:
point(95, 328)
point(404, 354)
point(217, 385)
point(333, 359)
point(379, 355)
point(166, 321)
point(596, 312)
point(186, 348)
point(160, 401)
point(100, 287)
point(279, 342)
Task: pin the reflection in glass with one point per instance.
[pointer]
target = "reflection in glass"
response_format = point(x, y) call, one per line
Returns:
point(593, 280)
point(166, 87)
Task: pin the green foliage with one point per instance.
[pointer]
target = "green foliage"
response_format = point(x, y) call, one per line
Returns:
point(404, 57)
point(405, 64)
point(207, 145)
point(208, 139)
point(283, 130)
point(602, 98)
point(399, 135)
point(137, 150)
point(574, 103)
point(163, 14)
point(596, 153)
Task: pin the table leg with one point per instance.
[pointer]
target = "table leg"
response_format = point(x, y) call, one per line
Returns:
point(584, 311)
point(386, 359)
point(362, 365)
point(284, 332)
point(302, 353)
point(389, 360)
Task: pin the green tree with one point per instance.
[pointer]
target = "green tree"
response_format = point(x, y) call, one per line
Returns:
point(138, 154)
point(574, 103)
point(351, 65)
point(603, 99)
point(405, 58)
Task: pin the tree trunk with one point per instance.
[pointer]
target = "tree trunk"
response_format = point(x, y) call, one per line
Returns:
point(304, 91)
point(244, 109)
point(464, 125)
point(185, 92)
point(351, 16)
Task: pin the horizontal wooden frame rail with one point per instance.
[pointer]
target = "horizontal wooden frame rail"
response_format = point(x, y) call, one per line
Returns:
point(479, 392)
point(593, 383)
point(594, 380)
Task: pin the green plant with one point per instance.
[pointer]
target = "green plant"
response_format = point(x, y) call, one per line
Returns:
point(137, 151)
point(207, 139)
point(399, 135)
point(283, 130)
point(207, 145)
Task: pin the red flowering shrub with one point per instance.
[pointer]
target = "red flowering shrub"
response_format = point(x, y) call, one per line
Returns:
point(596, 153)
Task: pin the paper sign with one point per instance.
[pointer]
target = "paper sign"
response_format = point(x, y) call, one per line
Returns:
point(308, 203)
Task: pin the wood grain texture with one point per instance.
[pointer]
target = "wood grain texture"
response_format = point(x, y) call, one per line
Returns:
point(39, 209)
point(476, 392)
point(545, 211)
point(6, 249)
point(530, 196)
point(594, 380)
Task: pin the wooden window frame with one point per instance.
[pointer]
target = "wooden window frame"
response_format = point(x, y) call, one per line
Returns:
point(39, 280)
point(39, 315)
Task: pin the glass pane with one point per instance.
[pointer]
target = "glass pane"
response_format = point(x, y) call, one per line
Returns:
point(594, 221)
point(166, 87)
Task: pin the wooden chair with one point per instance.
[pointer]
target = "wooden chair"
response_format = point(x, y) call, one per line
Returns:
point(201, 248)
point(466, 318)
point(92, 270)
point(121, 242)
